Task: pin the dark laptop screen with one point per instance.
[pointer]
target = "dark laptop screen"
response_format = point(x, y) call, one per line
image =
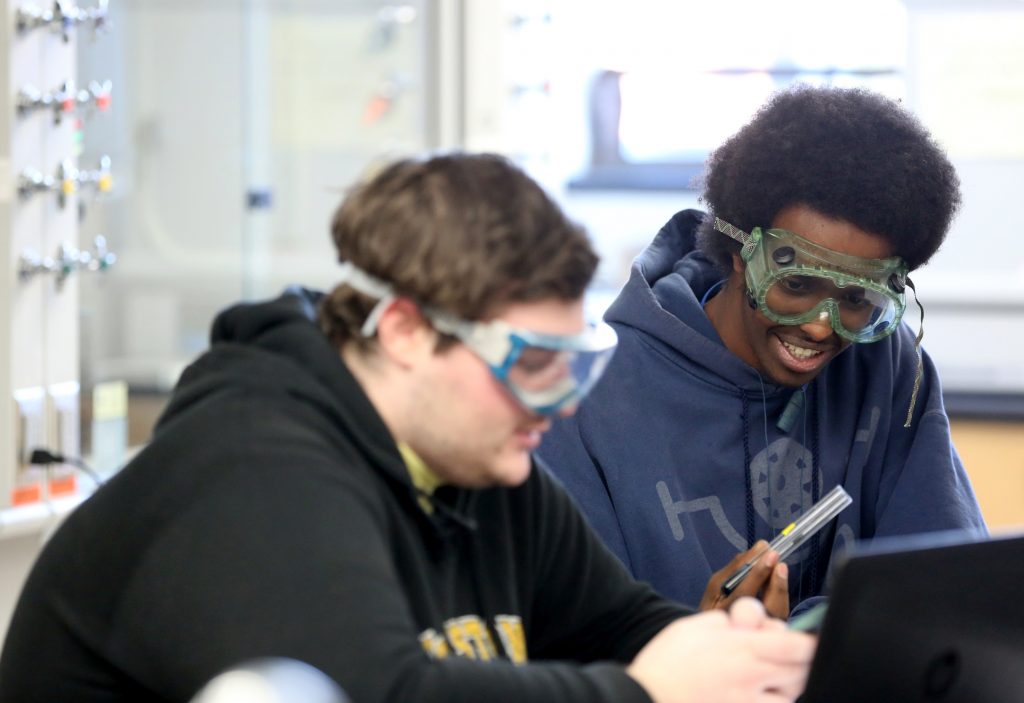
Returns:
point(932, 619)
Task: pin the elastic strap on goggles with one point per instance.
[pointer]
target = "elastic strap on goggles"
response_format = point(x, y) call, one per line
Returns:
point(355, 277)
point(749, 242)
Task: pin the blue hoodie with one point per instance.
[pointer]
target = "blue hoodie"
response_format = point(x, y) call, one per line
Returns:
point(678, 460)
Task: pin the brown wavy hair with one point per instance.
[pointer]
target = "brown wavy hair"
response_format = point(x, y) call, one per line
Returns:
point(464, 233)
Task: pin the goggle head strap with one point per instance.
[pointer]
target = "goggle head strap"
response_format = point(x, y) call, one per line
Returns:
point(474, 334)
point(749, 241)
point(369, 285)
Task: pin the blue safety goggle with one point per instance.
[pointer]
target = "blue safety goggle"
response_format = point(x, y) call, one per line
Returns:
point(545, 372)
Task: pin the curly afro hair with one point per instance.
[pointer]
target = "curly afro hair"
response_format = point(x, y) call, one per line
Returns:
point(849, 154)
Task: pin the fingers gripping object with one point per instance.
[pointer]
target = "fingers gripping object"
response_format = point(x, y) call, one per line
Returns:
point(796, 533)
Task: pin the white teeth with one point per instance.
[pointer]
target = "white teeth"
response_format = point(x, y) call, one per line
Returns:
point(800, 352)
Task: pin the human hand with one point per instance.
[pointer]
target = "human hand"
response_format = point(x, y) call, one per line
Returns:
point(768, 579)
point(742, 656)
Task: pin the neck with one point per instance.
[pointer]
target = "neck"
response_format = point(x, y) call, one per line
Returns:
point(718, 306)
point(726, 312)
point(377, 381)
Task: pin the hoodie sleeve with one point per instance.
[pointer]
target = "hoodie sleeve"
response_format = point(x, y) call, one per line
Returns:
point(594, 610)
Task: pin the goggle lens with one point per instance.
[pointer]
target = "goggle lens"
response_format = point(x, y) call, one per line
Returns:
point(794, 281)
point(538, 368)
point(546, 373)
point(863, 313)
point(546, 379)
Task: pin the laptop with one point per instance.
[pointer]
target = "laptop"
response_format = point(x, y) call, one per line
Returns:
point(929, 619)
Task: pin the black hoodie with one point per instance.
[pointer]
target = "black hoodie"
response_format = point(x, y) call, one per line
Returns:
point(272, 515)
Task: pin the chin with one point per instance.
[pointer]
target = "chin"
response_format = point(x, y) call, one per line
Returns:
point(512, 471)
point(787, 377)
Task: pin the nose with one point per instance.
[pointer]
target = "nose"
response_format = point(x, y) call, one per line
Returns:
point(818, 329)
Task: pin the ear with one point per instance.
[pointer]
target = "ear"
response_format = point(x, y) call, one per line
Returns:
point(738, 266)
point(403, 334)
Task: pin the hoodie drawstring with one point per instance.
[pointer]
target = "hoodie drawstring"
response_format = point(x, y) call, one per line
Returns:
point(815, 495)
point(746, 470)
point(813, 565)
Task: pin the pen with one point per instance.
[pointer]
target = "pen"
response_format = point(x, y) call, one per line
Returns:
point(779, 544)
point(730, 584)
point(795, 533)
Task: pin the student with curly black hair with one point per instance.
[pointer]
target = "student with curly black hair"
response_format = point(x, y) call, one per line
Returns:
point(763, 361)
point(851, 155)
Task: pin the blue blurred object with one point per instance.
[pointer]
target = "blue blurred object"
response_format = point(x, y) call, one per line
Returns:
point(272, 680)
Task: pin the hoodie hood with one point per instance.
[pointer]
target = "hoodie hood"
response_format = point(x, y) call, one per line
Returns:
point(276, 346)
point(680, 458)
point(662, 299)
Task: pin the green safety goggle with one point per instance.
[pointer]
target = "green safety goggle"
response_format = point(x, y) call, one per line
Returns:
point(794, 281)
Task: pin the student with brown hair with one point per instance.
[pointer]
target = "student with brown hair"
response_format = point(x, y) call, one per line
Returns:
point(346, 480)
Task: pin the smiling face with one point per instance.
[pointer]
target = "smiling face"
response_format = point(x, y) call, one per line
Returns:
point(789, 355)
